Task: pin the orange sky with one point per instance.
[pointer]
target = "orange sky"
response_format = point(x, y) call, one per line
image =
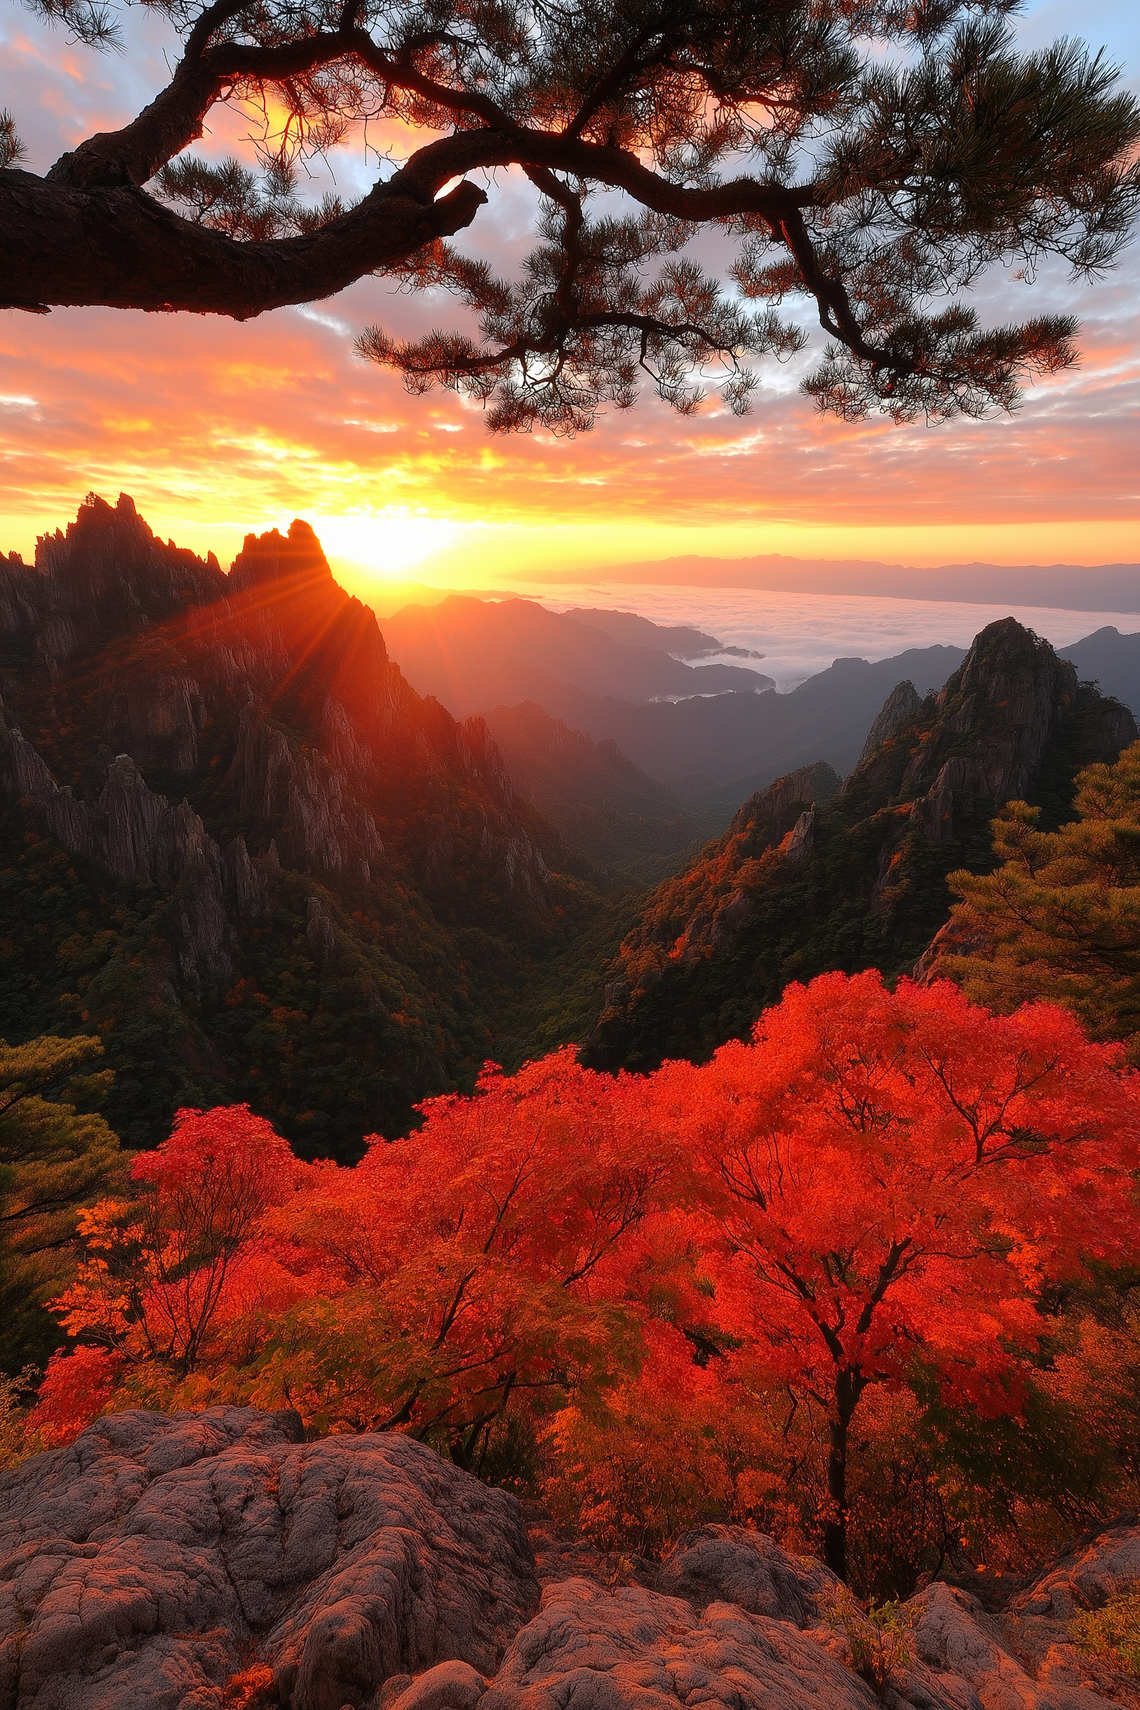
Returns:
point(217, 428)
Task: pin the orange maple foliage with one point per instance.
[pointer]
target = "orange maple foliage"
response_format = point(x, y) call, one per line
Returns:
point(868, 1196)
point(164, 1273)
point(495, 1255)
point(498, 1255)
point(76, 1387)
point(889, 1178)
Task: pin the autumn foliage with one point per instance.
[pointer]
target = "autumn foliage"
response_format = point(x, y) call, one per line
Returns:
point(890, 1179)
point(717, 1288)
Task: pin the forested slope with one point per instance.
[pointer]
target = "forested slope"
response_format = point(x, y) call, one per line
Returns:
point(242, 849)
point(800, 885)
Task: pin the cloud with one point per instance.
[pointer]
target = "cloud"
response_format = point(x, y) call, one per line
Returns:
point(217, 428)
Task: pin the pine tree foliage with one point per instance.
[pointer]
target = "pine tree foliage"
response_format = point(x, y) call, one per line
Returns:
point(1060, 915)
point(54, 1159)
point(867, 162)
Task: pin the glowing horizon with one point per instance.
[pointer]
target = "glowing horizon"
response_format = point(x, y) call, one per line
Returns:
point(397, 547)
point(218, 429)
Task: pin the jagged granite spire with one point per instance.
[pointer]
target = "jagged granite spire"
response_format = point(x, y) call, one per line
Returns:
point(902, 701)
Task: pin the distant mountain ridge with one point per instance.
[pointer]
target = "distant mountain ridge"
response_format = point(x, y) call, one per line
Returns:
point(1110, 659)
point(634, 631)
point(474, 654)
point(806, 880)
point(1069, 587)
point(708, 750)
point(714, 751)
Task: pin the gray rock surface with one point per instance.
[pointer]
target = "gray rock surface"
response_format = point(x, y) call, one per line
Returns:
point(729, 1564)
point(955, 1637)
point(596, 1650)
point(729, 1611)
point(1092, 1570)
point(144, 1565)
point(447, 1686)
point(209, 1561)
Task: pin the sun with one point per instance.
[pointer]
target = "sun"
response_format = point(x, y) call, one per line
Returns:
point(384, 543)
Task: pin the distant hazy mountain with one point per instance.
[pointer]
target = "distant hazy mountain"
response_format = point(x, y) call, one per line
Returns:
point(1110, 659)
point(635, 631)
point(601, 802)
point(1073, 587)
point(708, 750)
point(472, 654)
point(714, 751)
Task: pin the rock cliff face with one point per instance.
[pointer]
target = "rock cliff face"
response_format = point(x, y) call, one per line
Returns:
point(222, 741)
point(902, 703)
point(276, 639)
point(857, 880)
point(196, 1562)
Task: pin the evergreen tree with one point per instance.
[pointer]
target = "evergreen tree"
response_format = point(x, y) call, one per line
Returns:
point(54, 1159)
point(873, 158)
point(1060, 917)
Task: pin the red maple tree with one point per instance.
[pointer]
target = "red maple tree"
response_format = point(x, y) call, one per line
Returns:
point(870, 1193)
point(889, 1177)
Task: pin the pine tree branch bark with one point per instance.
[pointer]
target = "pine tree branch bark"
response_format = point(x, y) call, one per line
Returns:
point(69, 241)
point(123, 249)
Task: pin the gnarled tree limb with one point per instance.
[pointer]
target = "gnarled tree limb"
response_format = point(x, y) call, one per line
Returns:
point(905, 183)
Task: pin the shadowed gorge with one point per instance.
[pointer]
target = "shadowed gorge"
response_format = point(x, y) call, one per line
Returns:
point(602, 803)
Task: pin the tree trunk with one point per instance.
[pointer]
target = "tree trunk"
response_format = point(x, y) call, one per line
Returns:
point(835, 1526)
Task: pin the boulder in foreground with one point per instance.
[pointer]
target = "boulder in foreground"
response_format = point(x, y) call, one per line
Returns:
point(216, 1561)
point(155, 1558)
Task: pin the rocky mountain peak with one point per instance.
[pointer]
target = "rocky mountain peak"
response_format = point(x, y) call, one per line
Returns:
point(234, 748)
point(770, 814)
point(988, 732)
point(857, 881)
point(109, 574)
point(334, 642)
point(1009, 697)
point(274, 560)
point(902, 703)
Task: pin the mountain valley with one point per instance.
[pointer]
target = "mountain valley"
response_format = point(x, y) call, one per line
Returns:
point(258, 857)
point(242, 849)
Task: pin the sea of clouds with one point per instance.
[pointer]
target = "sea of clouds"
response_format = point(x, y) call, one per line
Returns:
point(801, 634)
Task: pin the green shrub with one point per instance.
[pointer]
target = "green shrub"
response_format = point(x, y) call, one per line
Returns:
point(878, 1637)
point(1111, 1633)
